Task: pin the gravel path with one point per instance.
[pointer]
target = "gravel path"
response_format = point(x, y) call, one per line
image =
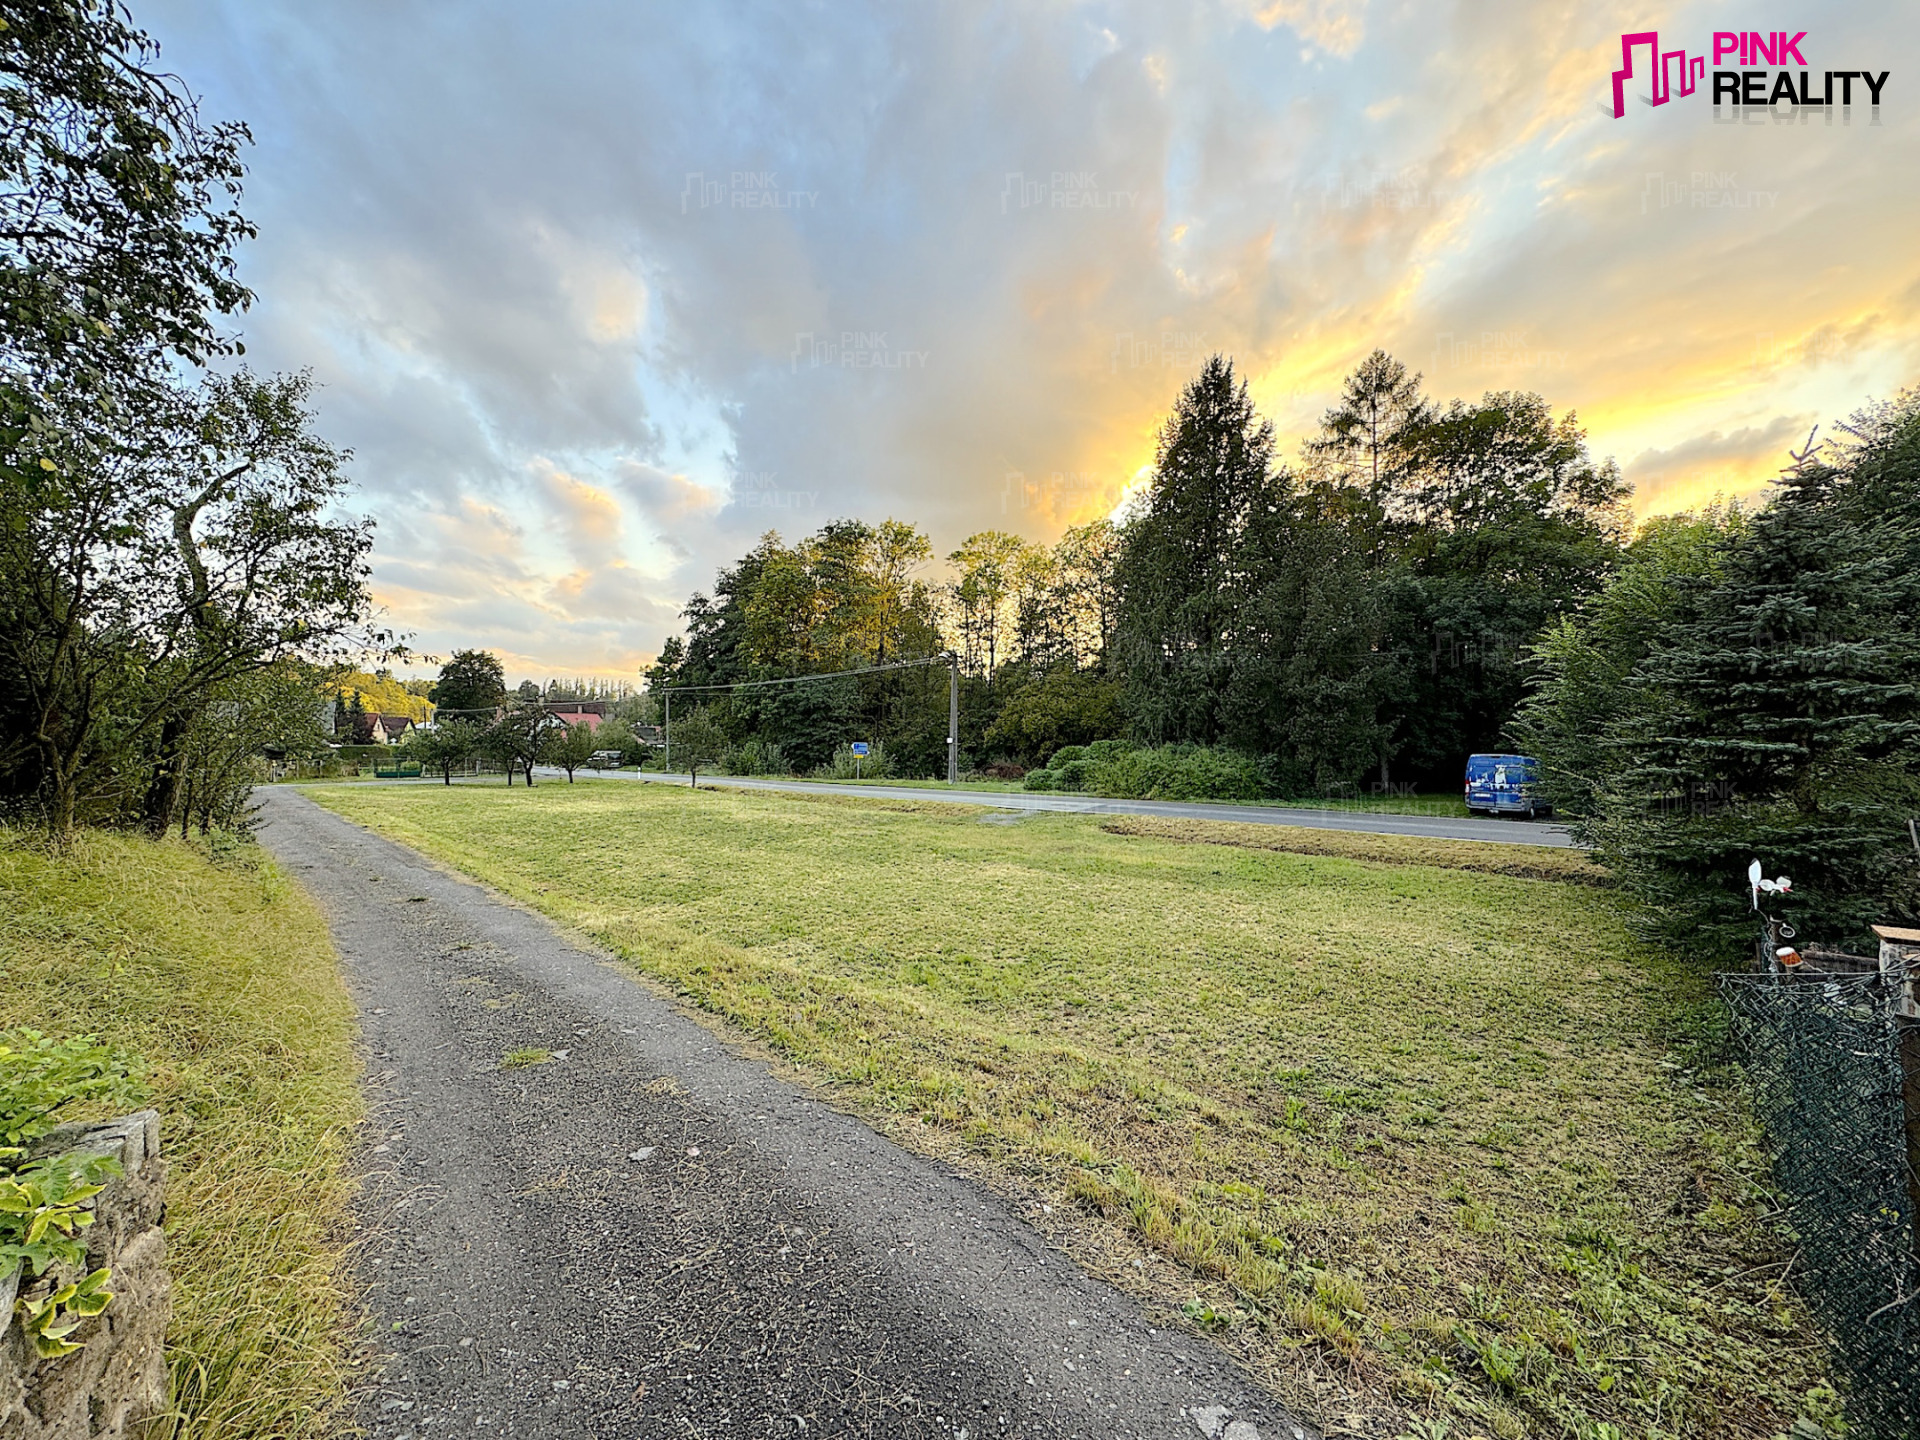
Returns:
point(651, 1235)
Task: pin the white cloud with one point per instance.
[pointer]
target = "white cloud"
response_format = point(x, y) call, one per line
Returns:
point(554, 355)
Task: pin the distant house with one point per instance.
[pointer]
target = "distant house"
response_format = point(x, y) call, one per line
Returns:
point(389, 729)
point(572, 715)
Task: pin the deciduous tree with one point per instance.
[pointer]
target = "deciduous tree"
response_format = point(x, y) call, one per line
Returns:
point(471, 684)
point(443, 746)
point(153, 566)
point(569, 746)
point(696, 741)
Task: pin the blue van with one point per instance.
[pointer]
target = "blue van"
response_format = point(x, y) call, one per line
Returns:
point(1504, 785)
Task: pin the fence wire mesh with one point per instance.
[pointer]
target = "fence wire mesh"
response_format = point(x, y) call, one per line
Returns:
point(1823, 1058)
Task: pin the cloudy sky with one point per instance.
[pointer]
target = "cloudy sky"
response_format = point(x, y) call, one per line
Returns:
point(599, 290)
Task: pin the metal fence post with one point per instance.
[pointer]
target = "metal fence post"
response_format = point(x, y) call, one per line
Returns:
point(1907, 1036)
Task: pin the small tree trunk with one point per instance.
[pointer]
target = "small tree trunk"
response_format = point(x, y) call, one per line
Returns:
point(169, 776)
point(63, 805)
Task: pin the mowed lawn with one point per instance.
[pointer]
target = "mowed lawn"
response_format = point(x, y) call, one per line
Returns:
point(1437, 1152)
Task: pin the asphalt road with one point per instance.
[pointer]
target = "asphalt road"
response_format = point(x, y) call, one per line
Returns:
point(651, 1235)
point(1431, 827)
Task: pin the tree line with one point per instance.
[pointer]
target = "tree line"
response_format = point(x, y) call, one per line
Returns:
point(1359, 617)
point(174, 582)
point(478, 719)
point(1423, 582)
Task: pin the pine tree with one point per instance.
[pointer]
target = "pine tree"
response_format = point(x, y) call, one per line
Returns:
point(1777, 714)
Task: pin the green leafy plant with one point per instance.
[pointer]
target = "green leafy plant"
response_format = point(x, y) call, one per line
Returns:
point(45, 1203)
point(1499, 1362)
point(1210, 1317)
point(43, 1211)
point(40, 1076)
point(50, 1320)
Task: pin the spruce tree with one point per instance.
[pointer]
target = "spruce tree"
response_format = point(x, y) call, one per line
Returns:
point(1176, 577)
point(1777, 714)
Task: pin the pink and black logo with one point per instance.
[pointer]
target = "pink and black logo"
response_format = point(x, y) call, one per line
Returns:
point(1675, 73)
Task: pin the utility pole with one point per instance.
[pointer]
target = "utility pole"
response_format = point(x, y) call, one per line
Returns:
point(666, 735)
point(953, 718)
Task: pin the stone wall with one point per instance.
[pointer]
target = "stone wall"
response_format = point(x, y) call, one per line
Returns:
point(118, 1381)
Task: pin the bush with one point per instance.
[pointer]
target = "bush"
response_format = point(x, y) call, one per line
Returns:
point(1285, 777)
point(1040, 780)
point(1062, 706)
point(1074, 767)
point(1177, 772)
point(754, 758)
point(872, 766)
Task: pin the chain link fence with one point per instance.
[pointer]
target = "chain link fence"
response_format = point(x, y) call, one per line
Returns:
point(1823, 1058)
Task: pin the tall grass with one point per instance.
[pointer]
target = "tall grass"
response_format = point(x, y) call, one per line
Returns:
point(220, 973)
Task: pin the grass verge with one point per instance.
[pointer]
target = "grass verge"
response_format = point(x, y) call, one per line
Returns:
point(1449, 805)
point(221, 974)
point(1529, 862)
point(1426, 1147)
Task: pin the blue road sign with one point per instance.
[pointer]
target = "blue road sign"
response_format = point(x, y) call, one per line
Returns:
point(860, 747)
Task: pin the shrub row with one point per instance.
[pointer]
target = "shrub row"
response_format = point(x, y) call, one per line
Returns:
point(1154, 772)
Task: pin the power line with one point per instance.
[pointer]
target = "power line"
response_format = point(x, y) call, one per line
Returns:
point(510, 701)
point(950, 660)
point(513, 702)
point(798, 679)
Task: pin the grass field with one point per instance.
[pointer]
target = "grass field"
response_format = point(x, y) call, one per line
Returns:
point(1436, 1151)
point(220, 974)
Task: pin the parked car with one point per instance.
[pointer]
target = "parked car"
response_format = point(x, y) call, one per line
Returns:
point(604, 760)
point(1504, 785)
